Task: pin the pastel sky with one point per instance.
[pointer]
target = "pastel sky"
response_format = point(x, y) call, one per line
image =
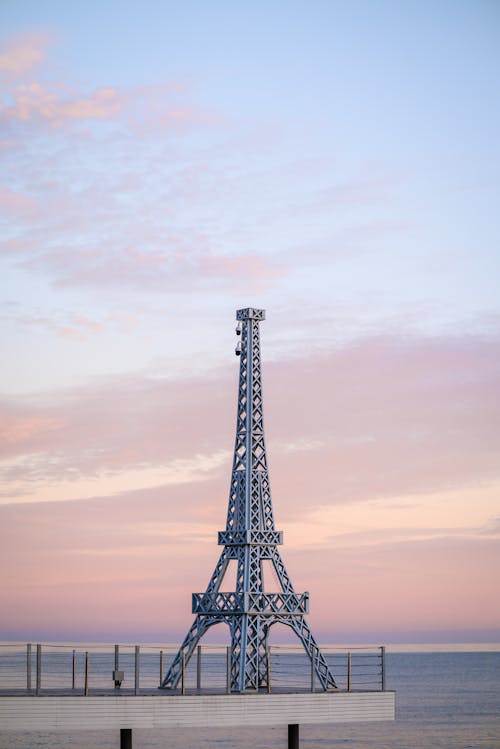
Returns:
point(165, 163)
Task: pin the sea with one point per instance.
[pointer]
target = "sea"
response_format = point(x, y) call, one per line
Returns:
point(447, 697)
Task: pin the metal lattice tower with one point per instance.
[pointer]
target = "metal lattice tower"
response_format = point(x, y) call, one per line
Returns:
point(251, 539)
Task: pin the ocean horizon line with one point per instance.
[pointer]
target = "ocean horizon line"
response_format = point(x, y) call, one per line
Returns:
point(410, 647)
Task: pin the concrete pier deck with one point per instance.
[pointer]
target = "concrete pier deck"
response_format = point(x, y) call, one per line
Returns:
point(63, 711)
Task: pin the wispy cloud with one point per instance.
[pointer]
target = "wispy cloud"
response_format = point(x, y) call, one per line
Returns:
point(413, 585)
point(56, 106)
point(30, 480)
point(23, 53)
point(174, 268)
point(14, 204)
point(110, 206)
point(418, 415)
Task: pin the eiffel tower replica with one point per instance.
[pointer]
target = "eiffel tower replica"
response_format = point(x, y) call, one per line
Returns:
point(251, 539)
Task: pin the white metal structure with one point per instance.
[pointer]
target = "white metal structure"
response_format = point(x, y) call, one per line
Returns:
point(250, 539)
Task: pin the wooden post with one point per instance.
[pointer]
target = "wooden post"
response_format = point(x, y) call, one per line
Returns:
point(382, 667)
point(198, 667)
point(28, 666)
point(86, 685)
point(73, 671)
point(125, 738)
point(349, 672)
point(38, 668)
point(228, 670)
point(293, 736)
point(137, 669)
point(161, 667)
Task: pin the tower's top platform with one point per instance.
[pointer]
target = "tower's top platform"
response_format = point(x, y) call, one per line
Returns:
point(251, 313)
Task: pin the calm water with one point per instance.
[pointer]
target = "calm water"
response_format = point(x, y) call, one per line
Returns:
point(444, 700)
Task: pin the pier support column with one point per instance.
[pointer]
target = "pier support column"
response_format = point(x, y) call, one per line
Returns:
point(293, 736)
point(126, 738)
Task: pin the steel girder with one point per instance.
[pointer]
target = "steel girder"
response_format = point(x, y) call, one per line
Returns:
point(250, 539)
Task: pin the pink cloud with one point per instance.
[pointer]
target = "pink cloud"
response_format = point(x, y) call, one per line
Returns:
point(180, 266)
point(439, 584)
point(22, 53)
point(100, 557)
point(62, 323)
point(79, 533)
point(19, 429)
point(160, 106)
point(251, 266)
point(179, 117)
point(81, 327)
point(16, 246)
point(58, 104)
point(387, 416)
point(33, 101)
point(14, 204)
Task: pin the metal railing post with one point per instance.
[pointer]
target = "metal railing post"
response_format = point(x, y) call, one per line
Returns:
point(28, 666)
point(268, 657)
point(198, 667)
point(38, 668)
point(161, 667)
point(228, 670)
point(73, 671)
point(116, 675)
point(348, 671)
point(312, 670)
point(382, 667)
point(137, 669)
point(86, 685)
point(183, 674)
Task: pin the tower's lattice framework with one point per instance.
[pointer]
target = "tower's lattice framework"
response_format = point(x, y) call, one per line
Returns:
point(251, 539)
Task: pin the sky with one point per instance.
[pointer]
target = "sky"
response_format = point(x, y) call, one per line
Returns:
point(164, 164)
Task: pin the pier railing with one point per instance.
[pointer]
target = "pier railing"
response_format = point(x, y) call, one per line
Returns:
point(43, 668)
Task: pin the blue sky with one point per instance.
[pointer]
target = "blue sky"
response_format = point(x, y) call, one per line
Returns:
point(352, 148)
point(337, 164)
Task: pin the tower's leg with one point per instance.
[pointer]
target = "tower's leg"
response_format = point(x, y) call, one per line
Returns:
point(301, 628)
point(238, 653)
point(252, 648)
point(264, 631)
point(198, 629)
point(248, 653)
point(256, 665)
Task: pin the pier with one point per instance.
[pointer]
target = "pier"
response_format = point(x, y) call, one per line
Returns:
point(48, 687)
